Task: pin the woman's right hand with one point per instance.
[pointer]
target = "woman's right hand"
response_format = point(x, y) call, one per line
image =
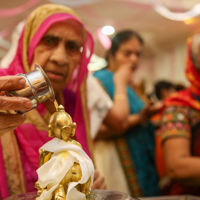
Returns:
point(150, 109)
point(9, 121)
point(123, 75)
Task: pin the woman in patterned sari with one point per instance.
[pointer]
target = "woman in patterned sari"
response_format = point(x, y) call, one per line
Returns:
point(126, 149)
point(180, 131)
point(55, 38)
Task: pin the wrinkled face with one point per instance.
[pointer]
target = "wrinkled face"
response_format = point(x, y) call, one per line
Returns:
point(128, 53)
point(59, 52)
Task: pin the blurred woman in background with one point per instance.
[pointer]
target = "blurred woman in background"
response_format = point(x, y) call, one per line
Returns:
point(125, 151)
point(181, 130)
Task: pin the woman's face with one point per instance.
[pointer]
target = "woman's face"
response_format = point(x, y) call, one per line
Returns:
point(58, 52)
point(128, 53)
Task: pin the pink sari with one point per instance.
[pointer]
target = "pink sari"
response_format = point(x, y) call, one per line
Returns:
point(19, 156)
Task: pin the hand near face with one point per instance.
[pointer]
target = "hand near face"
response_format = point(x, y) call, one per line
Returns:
point(9, 121)
point(124, 74)
point(99, 182)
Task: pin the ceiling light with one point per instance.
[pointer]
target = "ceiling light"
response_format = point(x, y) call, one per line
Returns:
point(108, 30)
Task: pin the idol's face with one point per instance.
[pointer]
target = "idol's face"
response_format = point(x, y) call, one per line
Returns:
point(128, 53)
point(59, 52)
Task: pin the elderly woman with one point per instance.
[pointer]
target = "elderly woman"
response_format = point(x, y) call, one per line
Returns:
point(180, 130)
point(55, 38)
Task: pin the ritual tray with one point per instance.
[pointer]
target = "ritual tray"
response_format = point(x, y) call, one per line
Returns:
point(95, 195)
point(181, 197)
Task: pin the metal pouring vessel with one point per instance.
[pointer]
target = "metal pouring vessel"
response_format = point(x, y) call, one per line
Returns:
point(38, 88)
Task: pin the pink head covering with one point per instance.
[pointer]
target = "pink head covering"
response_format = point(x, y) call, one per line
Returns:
point(30, 37)
point(17, 67)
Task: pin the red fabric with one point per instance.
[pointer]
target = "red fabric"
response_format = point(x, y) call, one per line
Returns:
point(160, 162)
point(185, 98)
point(159, 156)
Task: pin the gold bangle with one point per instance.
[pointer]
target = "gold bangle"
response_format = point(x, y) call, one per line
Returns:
point(120, 96)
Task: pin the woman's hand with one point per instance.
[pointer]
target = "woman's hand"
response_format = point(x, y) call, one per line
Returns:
point(123, 75)
point(9, 121)
point(151, 109)
point(99, 182)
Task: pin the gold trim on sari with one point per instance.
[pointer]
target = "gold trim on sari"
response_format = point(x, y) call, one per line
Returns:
point(83, 91)
point(12, 163)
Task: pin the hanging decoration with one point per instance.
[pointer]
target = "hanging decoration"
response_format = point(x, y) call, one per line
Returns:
point(74, 3)
point(176, 16)
point(17, 10)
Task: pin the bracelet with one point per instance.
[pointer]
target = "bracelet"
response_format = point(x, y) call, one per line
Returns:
point(120, 96)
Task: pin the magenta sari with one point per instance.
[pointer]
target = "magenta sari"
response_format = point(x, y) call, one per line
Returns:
point(19, 150)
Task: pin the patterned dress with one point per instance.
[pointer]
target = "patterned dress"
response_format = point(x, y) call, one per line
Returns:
point(181, 121)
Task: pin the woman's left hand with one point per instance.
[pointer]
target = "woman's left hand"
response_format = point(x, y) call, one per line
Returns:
point(99, 182)
point(151, 109)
